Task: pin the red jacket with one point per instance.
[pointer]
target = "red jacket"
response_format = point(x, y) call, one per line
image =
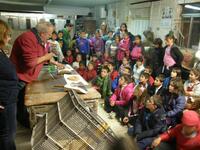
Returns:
point(122, 97)
point(114, 75)
point(182, 142)
point(97, 63)
point(81, 71)
point(69, 59)
point(90, 74)
point(25, 52)
point(151, 80)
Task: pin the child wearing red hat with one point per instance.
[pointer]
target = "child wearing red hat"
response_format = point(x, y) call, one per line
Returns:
point(187, 134)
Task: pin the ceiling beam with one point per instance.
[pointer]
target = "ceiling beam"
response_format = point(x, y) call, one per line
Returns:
point(146, 1)
point(21, 3)
point(21, 8)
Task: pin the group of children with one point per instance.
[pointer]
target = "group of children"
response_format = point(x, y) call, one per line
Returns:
point(149, 98)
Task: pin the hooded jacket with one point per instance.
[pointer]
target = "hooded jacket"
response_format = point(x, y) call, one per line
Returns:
point(123, 96)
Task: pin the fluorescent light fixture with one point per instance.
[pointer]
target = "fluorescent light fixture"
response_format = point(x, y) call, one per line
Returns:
point(192, 7)
point(31, 15)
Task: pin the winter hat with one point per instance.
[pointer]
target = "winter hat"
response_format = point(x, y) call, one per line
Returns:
point(190, 118)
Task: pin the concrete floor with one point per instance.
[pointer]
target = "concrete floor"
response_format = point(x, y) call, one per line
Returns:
point(23, 138)
point(114, 124)
point(23, 135)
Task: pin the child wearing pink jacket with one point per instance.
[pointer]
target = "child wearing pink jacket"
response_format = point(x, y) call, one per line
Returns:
point(119, 101)
point(124, 46)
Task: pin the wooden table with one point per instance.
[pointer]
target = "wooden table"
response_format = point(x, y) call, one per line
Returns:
point(47, 90)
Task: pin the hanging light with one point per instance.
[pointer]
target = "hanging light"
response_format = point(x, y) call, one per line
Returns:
point(192, 7)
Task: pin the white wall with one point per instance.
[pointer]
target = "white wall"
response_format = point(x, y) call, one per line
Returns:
point(116, 14)
point(66, 10)
point(143, 12)
point(156, 18)
point(122, 12)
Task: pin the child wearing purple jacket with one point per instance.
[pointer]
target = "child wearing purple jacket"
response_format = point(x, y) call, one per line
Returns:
point(98, 44)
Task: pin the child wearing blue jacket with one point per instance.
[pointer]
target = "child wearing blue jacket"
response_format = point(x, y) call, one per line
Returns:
point(175, 73)
point(83, 46)
point(174, 102)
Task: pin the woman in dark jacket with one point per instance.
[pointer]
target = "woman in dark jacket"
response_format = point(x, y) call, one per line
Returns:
point(172, 55)
point(157, 57)
point(8, 93)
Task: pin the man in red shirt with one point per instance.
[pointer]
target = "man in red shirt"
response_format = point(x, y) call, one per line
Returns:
point(29, 55)
point(186, 135)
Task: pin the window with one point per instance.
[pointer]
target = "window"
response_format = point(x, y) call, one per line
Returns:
point(191, 27)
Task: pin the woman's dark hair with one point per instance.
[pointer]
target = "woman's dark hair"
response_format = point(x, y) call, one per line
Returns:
point(138, 36)
point(158, 42)
point(170, 36)
point(178, 72)
point(124, 24)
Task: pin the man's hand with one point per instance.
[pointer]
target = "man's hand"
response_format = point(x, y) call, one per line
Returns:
point(112, 103)
point(60, 66)
point(55, 52)
point(156, 142)
point(49, 56)
point(44, 58)
point(125, 120)
point(1, 108)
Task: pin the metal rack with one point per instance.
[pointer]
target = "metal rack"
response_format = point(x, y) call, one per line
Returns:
point(71, 125)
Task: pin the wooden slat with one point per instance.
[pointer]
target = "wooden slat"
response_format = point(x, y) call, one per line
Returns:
point(48, 90)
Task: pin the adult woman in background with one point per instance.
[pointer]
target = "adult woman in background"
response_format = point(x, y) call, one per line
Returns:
point(124, 29)
point(172, 55)
point(8, 93)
